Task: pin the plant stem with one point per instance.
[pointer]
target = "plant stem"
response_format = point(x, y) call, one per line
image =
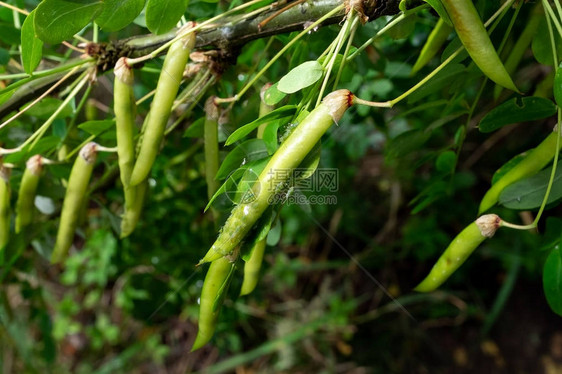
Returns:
point(550, 12)
point(279, 54)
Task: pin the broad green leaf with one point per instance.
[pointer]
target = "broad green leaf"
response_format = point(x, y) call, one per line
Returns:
point(58, 20)
point(31, 45)
point(9, 34)
point(552, 236)
point(529, 193)
point(541, 45)
point(270, 136)
point(117, 14)
point(300, 77)
point(97, 127)
point(517, 110)
point(163, 15)
point(552, 280)
point(4, 56)
point(45, 108)
point(273, 96)
point(250, 150)
point(446, 162)
point(284, 112)
point(196, 129)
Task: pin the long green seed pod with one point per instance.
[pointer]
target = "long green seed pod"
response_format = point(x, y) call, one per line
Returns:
point(133, 208)
point(166, 91)
point(475, 39)
point(289, 155)
point(458, 251)
point(28, 188)
point(74, 199)
point(252, 266)
point(537, 159)
point(435, 41)
point(124, 108)
point(216, 277)
point(211, 137)
point(5, 192)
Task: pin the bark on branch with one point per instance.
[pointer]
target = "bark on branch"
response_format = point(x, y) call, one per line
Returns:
point(228, 36)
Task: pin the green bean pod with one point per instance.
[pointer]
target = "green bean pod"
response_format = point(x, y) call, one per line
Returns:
point(160, 110)
point(252, 268)
point(133, 207)
point(25, 207)
point(435, 41)
point(215, 279)
point(124, 108)
point(476, 41)
point(289, 155)
point(458, 251)
point(533, 162)
point(522, 44)
point(74, 199)
point(5, 193)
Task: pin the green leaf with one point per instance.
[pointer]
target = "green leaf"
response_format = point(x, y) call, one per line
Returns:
point(221, 293)
point(45, 108)
point(302, 76)
point(4, 57)
point(541, 45)
point(196, 129)
point(284, 113)
point(250, 150)
point(9, 34)
point(31, 45)
point(163, 15)
point(97, 127)
point(446, 162)
point(517, 110)
point(270, 136)
point(117, 14)
point(273, 95)
point(436, 4)
point(404, 29)
point(529, 193)
point(58, 20)
point(552, 280)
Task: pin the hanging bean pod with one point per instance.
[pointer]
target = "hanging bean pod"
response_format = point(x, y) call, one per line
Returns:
point(25, 207)
point(74, 199)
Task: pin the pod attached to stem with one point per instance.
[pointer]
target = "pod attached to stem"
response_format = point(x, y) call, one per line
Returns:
point(5, 193)
point(74, 199)
point(26, 195)
point(289, 155)
point(160, 110)
point(458, 251)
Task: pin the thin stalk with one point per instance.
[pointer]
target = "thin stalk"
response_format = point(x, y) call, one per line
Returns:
point(279, 54)
point(558, 8)
point(344, 33)
point(44, 73)
point(51, 89)
point(146, 97)
point(345, 53)
point(505, 6)
point(34, 138)
point(182, 33)
point(550, 12)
